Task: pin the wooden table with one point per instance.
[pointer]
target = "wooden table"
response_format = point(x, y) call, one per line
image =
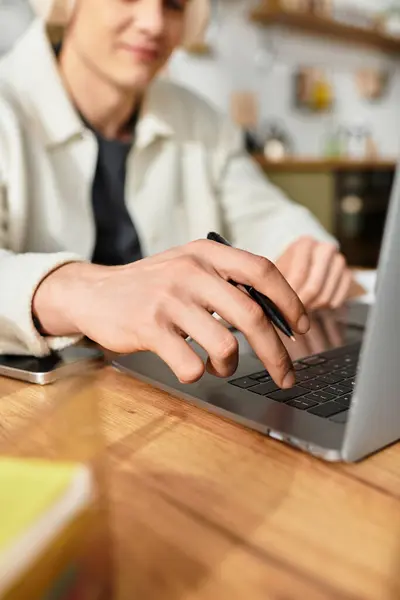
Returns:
point(205, 509)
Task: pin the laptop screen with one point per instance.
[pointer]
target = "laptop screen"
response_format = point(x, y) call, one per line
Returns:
point(329, 330)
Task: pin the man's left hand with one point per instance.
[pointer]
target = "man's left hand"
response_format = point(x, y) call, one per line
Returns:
point(317, 272)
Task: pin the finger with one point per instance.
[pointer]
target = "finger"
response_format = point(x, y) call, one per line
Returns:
point(343, 290)
point(177, 354)
point(221, 346)
point(299, 348)
point(258, 272)
point(320, 266)
point(247, 316)
point(334, 276)
point(300, 264)
point(317, 339)
point(332, 329)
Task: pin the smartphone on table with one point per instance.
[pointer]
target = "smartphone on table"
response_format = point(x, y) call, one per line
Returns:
point(58, 365)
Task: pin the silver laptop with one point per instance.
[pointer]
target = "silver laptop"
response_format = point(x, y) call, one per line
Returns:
point(346, 403)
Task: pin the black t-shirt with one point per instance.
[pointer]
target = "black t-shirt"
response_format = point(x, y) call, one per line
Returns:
point(117, 241)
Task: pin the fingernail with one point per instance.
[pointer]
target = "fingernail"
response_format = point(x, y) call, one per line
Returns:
point(289, 381)
point(303, 324)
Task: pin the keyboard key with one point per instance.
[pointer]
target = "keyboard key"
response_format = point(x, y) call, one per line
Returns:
point(352, 356)
point(265, 379)
point(260, 375)
point(299, 366)
point(350, 382)
point(327, 410)
point(348, 386)
point(341, 417)
point(314, 384)
point(345, 400)
point(331, 378)
point(244, 382)
point(302, 403)
point(345, 362)
point(320, 396)
point(264, 389)
point(346, 373)
point(304, 376)
point(338, 389)
point(352, 372)
point(317, 371)
point(286, 395)
point(313, 361)
point(337, 364)
point(350, 360)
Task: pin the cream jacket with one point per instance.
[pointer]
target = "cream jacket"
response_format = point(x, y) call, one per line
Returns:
point(187, 174)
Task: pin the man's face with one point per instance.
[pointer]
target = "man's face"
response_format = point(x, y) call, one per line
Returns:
point(127, 41)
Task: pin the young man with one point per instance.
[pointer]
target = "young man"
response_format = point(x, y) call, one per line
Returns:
point(100, 167)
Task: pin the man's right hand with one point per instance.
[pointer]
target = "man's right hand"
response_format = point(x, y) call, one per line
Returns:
point(155, 303)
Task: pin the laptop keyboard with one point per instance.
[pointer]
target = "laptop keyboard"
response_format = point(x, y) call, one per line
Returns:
point(324, 384)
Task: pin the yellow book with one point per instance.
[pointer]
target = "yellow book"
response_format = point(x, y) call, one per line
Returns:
point(45, 514)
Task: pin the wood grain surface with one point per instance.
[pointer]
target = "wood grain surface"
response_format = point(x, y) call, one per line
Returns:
point(203, 509)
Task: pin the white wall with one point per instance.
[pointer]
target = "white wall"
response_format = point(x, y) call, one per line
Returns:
point(237, 42)
point(263, 59)
point(15, 16)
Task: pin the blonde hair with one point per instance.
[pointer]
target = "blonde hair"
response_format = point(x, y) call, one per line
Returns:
point(57, 14)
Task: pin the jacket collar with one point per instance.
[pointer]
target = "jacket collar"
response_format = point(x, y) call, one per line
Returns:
point(31, 68)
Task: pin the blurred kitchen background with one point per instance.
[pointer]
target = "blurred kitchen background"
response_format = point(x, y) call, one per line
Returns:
point(315, 86)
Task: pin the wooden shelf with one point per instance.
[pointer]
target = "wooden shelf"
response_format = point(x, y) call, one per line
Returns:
point(308, 165)
point(322, 26)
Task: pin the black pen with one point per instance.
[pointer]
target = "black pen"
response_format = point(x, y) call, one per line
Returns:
point(270, 310)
